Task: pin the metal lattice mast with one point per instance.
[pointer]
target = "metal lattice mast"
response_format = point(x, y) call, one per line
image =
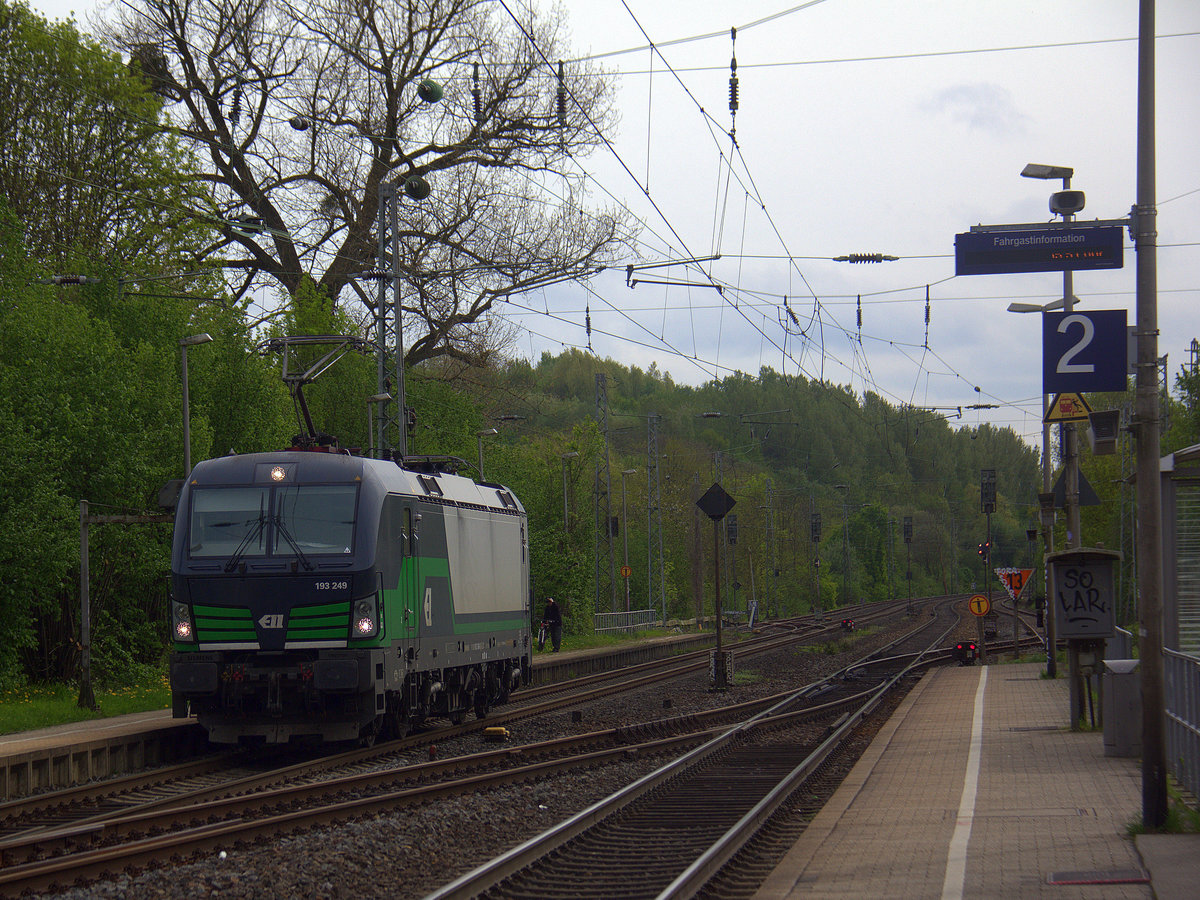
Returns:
point(603, 500)
point(390, 418)
point(770, 550)
point(654, 542)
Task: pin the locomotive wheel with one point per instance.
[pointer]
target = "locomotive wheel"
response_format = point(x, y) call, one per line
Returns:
point(457, 707)
point(481, 704)
point(396, 718)
point(370, 731)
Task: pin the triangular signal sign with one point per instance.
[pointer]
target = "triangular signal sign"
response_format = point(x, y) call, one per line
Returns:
point(1014, 580)
point(1067, 408)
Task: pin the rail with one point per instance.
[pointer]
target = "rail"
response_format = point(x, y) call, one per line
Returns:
point(625, 621)
point(1182, 690)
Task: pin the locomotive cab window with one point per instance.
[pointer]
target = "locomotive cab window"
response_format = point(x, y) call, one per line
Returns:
point(225, 519)
point(318, 517)
point(265, 521)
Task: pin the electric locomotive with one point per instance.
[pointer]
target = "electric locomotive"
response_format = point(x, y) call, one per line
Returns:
point(323, 596)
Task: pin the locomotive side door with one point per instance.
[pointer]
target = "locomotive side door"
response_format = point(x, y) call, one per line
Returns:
point(411, 581)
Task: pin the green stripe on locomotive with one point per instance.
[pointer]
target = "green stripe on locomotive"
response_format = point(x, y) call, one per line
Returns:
point(328, 621)
point(220, 624)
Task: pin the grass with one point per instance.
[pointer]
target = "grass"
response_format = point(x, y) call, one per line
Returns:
point(841, 645)
point(613, 638)
point(27, 708)
point(31, 707)
point(1182, 817)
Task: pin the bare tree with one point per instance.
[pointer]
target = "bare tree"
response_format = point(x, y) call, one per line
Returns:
point(302, 109)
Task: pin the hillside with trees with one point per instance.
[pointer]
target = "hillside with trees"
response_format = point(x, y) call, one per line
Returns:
point(785, 448)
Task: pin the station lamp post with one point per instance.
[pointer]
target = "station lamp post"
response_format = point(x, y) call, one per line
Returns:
point(1064, 203)
point(184, 343)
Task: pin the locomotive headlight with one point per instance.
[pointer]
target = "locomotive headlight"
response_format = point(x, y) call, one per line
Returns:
point(181, 622)
point(366, 618)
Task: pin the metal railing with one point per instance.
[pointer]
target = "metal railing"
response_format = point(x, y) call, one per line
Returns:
point(1181, 673)
point(625, 621)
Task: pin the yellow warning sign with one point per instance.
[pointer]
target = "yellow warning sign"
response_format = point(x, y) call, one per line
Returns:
point(980, 605)
point(1067, 408)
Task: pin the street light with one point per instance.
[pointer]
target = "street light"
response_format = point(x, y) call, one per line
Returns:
point(573, 454)
point(1039, 307)
point(480, 435)
point(371, 401)
point(1070, 449)
point(184, 343)
point(625, 533)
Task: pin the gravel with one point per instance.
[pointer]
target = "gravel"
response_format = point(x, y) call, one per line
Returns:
point(414, 851)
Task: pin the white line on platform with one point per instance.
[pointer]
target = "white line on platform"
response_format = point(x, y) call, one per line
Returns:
point(956, 862)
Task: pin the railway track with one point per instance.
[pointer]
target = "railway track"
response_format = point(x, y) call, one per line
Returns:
point(671, 833)
point(241, 772)
point(119, 831)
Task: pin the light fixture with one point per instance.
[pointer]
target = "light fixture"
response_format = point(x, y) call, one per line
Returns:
point(1039, 307)
point(1036, 170)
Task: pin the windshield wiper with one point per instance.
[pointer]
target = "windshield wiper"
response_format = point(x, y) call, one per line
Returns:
point(287, 536)
point(250, 536)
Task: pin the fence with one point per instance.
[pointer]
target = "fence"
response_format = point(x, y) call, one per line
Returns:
point(625, 621)
point(1182, 690)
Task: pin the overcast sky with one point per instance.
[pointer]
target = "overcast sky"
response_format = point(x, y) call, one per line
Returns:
point(871, 126)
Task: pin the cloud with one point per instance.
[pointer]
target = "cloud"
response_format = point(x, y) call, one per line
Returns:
point(981, 107)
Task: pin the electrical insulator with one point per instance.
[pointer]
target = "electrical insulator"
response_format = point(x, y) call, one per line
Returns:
point(235, 112)
point(561, 97)
point(860, 312)
point(70, 279)
point(733, 90)
point(477, 96)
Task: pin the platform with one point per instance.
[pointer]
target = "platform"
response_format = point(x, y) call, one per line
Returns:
point(63, 755)
point(976, 788)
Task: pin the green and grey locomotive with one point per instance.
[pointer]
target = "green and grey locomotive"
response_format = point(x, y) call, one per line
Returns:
point(319, 595)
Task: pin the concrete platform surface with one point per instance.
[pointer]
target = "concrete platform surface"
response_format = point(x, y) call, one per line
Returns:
point(976, 788)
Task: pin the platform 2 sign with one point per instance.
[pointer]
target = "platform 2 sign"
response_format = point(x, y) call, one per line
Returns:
point(1084, 351)
point(1084, 593)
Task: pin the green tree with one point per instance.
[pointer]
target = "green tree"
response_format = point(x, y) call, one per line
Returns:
point(90, 409)
point(85, 163)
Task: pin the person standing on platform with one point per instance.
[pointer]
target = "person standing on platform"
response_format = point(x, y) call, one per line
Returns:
point(553, 618)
